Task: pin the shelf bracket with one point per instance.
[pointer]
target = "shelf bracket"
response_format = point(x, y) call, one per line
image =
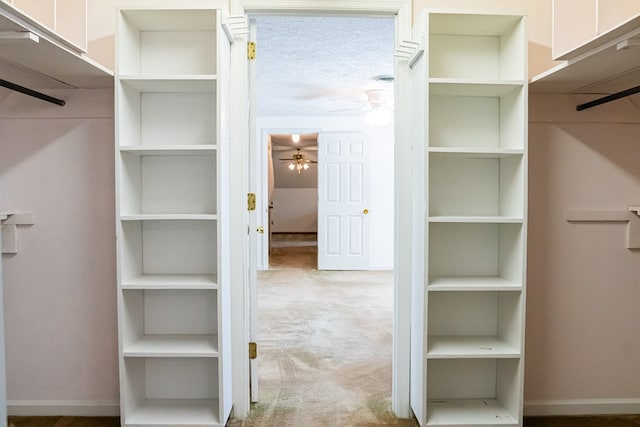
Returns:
point(9, 222)
point(630, 216)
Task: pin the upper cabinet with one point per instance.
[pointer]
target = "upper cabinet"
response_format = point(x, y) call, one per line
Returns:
point(598, 44)
point(44, 45)
point(68, 18)
point(576, 26)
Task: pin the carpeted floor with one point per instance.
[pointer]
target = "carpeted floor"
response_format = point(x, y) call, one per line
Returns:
point(325, 353)
point(324, 345)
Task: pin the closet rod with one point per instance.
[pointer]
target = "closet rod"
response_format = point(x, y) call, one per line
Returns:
point(31, 92)
point(608, 98)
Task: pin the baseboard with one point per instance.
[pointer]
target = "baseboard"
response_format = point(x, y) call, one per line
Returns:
point(77, 408)
point(582, 407)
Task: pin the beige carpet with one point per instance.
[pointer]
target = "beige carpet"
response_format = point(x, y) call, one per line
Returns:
point(325, 345)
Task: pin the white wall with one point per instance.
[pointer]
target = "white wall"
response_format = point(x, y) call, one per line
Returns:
point(60, 289)
point(382, 173)
point(295, 210)
point(582, 346)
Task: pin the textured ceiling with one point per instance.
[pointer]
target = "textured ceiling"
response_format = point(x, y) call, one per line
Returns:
point(319, 66)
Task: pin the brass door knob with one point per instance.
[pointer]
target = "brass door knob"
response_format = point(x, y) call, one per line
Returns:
point(260, 230)
point(366, 211)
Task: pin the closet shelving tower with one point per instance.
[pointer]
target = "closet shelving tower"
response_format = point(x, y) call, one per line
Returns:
point(475, 163)
point(172, 62)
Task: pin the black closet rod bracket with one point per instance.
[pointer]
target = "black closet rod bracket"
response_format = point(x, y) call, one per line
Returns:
point(608, 98)
point(32, 93)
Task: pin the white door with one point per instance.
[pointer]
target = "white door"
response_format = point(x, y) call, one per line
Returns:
point(343, 201)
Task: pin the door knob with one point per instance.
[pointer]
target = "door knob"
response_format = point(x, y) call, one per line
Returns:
point(366, 211)
point(260, 230)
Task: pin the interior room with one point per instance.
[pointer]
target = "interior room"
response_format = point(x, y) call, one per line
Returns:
point(131, 199)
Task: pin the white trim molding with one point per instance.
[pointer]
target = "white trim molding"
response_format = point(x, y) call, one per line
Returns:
point(77, 408)
point(581, 407)
point(402, 10)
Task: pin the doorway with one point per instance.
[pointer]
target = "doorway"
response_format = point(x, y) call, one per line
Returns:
point(401, 10)
point(310, 322)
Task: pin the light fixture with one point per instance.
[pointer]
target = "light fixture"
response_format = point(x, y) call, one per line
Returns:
point(295, 138)
point(298, 162)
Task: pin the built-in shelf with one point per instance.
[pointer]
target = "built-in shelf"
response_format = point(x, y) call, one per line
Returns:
point(470, 347)
point(173, 346)
point(474, 153)
point(473, 283)
point(172, 83)
point(170, 281)
point(169, 150)
point(471, 87)
point(468, 412)
point(168, 217)
point(477, 219)
point(185, 412)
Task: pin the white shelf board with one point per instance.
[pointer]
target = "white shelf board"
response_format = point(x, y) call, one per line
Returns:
point(173, 281)
point(51, 62)
point(480, 153)
point(468, 412)
point(477, 219)
point(472, 284)
point(178, 412)
point(173, 346)
point(169, 217)
point(471, 87)
point(170, 83)
point(168, 150)
point(469, 347)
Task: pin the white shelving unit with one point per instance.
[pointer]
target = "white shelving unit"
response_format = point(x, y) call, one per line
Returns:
point(473, 77)
point(172, 66)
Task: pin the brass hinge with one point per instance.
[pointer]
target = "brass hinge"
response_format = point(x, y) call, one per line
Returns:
point(251, 50)
point(251, 202)
point(253, 351)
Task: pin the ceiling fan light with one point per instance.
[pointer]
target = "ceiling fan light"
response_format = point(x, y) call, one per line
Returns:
point(292, 166)
point(306, 166)
point(295, 138)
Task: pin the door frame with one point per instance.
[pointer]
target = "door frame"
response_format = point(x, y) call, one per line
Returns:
point(239, 217)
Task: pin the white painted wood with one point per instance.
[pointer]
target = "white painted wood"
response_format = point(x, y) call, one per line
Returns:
point(402, 10)
point(255, 238)
point(170, 281)
point(71, 21)
point(343, 201)
point(597, 66)
point(191, 412)
point(167, 345)
point(173, 204)
point(468, 312)
point(169, 83)
point(54, 57)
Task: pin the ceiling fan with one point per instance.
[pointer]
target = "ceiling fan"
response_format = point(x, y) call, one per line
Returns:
point(298, 162)
point(379, 107)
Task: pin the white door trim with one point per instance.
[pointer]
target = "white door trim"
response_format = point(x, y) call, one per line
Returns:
point(402, 300)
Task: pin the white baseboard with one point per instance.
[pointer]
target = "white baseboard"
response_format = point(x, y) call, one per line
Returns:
point(582, 407)
point(78, 408)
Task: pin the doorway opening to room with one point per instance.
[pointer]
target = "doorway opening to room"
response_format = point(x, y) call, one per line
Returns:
point(325, 154)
